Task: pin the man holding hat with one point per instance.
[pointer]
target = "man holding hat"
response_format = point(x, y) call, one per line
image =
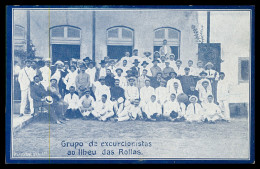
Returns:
point(135, 69)
point(46, 73)
point(155, 68)
point(123, 81)
point(194, 111)
point(25, 78)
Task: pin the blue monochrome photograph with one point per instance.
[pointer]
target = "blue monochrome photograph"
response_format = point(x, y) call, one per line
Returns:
point(129, 84)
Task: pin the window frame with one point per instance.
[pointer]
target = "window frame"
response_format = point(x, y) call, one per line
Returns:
point(120, 41)
point(65, 39)
point(171, 42)
point(240, 80)
point(19, 37)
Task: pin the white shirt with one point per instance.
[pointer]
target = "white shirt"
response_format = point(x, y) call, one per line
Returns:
point(198, 71)
point(134, 111)
point(179, 70)
point(170, 106)
point(131, 92)
point(191, 107)
point(162, 65)
point(16, 70)
point(122, 81)
point(146, 93)
point(101, 107)
point(176, 91)
point(100, 90)
point(46, 73)
point(25, 80)
point(70, 79)
point(162, 94)
point(211, 74)
point(170, 84)
point(102, 72)
point(152, 107)
point(72, 101)
point(192, 71)
point(222, 90)
point(92, 74)
point(204, 93)
point(211, 109)
point(199, 84)
point(148, 68)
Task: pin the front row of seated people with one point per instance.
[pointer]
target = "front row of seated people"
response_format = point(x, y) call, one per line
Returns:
point(124, 106)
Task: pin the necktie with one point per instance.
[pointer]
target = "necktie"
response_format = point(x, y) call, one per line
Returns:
point(194, 109)
point(71, 96)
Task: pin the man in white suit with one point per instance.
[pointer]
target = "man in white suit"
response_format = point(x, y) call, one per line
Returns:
point(165, 50)
point(25, 78)
point(46, 73)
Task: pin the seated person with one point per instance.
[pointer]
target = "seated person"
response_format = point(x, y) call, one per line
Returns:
point(103, 109)
point(72, 99)
point(171, 109)
point(131, 112)
point(204, 92)
point(162, 93)
point(212, 111)
point(117, 97)
point(155, 81)
point(177, 90)
point(100, 88)
point(194, 110)
point(153, 110)
point(86, 105)
point(203, 77)
point(167, 70)
point(38, 94)
point(192, 91)
point(145, 93)
point(131, 91)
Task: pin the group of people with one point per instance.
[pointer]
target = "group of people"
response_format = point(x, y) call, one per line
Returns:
point(132, 88)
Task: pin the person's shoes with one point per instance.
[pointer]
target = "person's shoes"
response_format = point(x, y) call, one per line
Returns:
point(21, 115)
point(58, 122)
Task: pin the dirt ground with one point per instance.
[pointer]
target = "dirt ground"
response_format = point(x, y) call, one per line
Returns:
point(157, 140)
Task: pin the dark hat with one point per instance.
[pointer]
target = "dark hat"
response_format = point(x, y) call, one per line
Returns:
point(91, 62)
point(203, 72)
point(27, 60)
point(147, 53)
point(178, 61)
point(82, 65)
point(131, 78)
point(129, 71)
point(186, 68)
point(119, 69)
point(144, 62)
point(102, 62)
point(156, 60)
point(173, 73)
point(86, 59)
point(136, 61)
point(135, 49)
point(66, 62)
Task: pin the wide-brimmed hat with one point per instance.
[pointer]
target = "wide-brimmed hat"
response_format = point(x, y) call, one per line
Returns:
point(186, 68)
point(193, 96)
point(173, 73)
point(119, 69)
point(156, 60)
point(147, 53)
point(86, 59)
point(203, 72)
point(209, 63)
point(120, 100)
point(27, 60)
point(102, 62)
point(48, 99)
point(131, 78)
point(178, 60)
point(73, 60)
point(144, 62)
point(136, 61)
point(59, 62)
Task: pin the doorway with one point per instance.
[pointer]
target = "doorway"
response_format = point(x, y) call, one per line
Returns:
point(65, 52)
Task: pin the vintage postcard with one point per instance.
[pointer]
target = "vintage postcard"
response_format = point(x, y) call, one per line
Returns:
point(130, 84)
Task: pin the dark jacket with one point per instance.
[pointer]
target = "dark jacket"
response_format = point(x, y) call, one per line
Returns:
point(37, 93)
point(135, 71)
point(117, 92)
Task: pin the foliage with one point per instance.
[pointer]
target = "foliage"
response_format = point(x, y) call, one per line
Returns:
point(198, 34)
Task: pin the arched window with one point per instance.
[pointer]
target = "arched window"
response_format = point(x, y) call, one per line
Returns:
point(120, 39)
point(173, 37)
point(19, 37)
point(65, 42)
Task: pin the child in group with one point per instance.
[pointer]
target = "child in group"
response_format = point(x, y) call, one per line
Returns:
point(212, 111)
point(72, 99)
point(194, 111)
point(86, 105)
point(153, 110)
point(103, 109)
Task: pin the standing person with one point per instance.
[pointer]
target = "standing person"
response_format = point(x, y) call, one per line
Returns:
point(162, 93)
point(145, 65)
point(212, 111)
point(213, 76)
point(17, 90)
point(162, 63)
point(103, 109)
point(135, 69)
point(198, 70)
point(204, 92)
point(165, 50)
point(131, 91)
point(112, 66)
point(172, 60)
point(92, 72)
point(86, 105)
point(153, 110)
point(109, 79)
point(194, 110)
point(125, 67)
point(134, 55)
point(127, 57)
point(60, 74)
point(72, 99)
point(203, 77)
point(192, 69)
point(102, 69)
point(141, 80)
point(123, 81)
point(167, 70)
point(25, 78)
point(66, 67)
point(82, 81)
point(36, 70)
point(155, 68)
point(187, 80)
point(156, 55)
point(70, 78)
point(222, 96)
point(179, 69)
point(46, 73)
point(173, 79)
point(100, 89)
point(145, 93)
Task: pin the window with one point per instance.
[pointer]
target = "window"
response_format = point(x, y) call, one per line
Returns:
point(73, 32)
point(65, 33)
point(57, 32)
point(243, 70)
point(120, 39)
point(172, 36)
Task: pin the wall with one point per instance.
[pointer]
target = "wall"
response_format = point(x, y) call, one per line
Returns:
point(232, 30)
